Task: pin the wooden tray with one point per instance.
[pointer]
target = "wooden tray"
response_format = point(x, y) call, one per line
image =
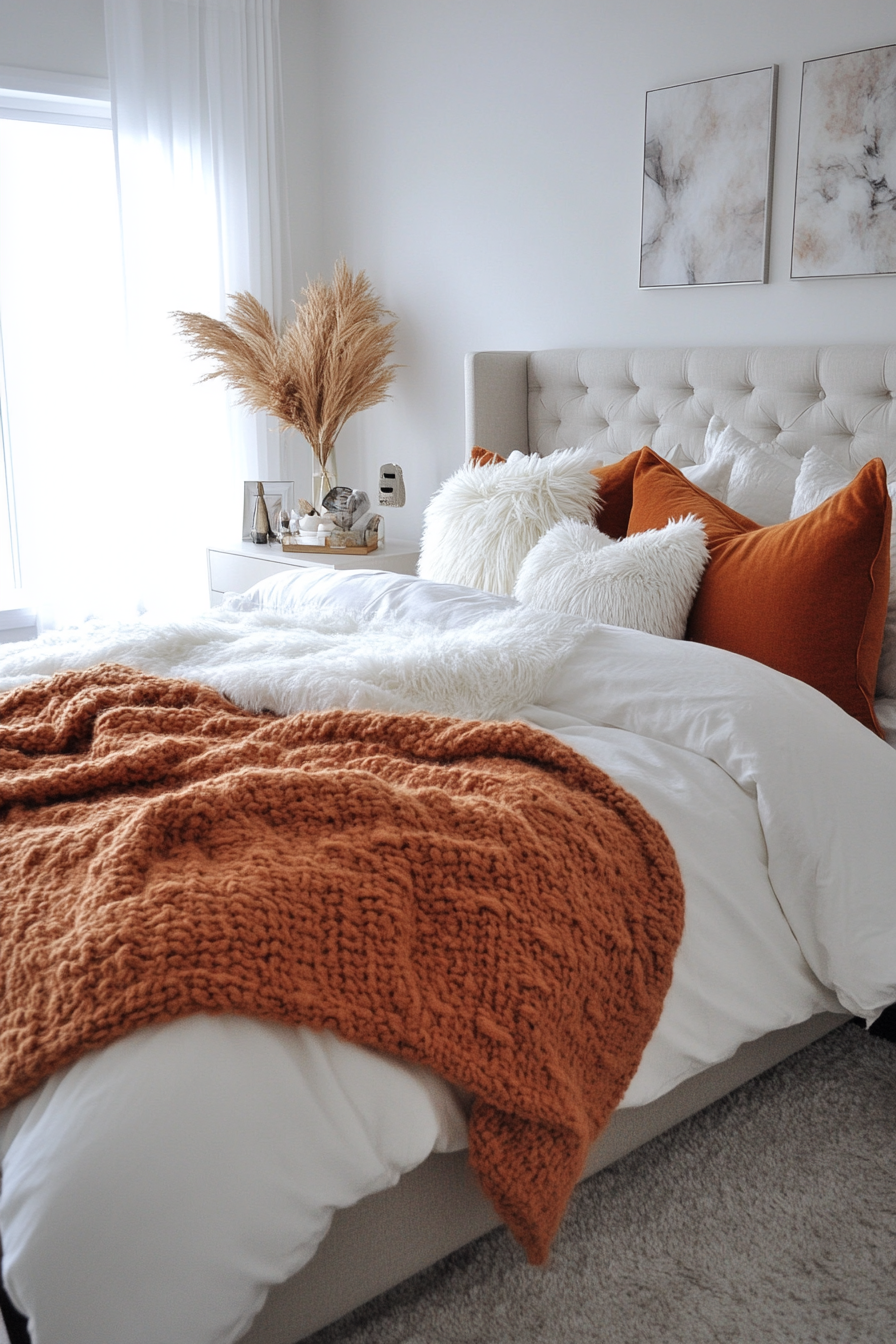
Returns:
point(291, 548)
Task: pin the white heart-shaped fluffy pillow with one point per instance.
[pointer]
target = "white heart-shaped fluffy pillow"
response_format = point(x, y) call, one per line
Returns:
point(647, 581)
point(482, 523)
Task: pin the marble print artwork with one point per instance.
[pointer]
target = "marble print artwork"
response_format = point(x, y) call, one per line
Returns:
point(707, 161)
point(845, 212)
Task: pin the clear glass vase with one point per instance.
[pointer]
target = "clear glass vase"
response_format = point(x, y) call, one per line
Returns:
point(323, 478)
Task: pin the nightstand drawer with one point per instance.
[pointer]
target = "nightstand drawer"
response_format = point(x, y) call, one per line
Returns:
point(235, 573)
point(233, 569)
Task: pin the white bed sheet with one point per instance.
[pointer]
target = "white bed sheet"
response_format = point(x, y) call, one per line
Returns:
point(780, 809)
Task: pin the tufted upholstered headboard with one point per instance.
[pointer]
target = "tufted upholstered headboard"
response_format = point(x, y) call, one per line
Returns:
point(841, 398)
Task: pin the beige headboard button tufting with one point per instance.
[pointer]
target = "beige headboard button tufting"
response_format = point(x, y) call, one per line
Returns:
point(838, 397)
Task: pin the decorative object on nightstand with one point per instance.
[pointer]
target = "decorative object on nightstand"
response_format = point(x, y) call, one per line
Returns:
point(342, 543)
point(345, 524)
point(346, 506)
point(260, 530)
point(392, 493)
point(276, 497)
point(323, 368)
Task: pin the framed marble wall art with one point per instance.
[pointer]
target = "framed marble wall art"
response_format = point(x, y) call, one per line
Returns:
point(844, 217)
point(707, 185)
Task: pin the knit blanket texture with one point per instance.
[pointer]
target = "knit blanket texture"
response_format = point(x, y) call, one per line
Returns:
point(472, 896)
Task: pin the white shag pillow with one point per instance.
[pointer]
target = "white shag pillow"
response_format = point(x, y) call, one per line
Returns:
point(481, 524)
point(646, 582)
point(820, 477)
point(762, 478)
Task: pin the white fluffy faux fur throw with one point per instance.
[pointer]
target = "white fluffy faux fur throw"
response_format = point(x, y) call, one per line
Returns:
point(326, 658)
point(484, 520)
point(647, 581)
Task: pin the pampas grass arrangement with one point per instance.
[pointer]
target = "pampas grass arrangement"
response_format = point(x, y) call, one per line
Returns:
point(323, 368)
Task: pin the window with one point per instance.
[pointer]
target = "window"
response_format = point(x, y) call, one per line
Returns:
point(61, 327)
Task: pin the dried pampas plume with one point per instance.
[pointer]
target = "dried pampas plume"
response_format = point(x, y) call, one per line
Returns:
point(328, 364)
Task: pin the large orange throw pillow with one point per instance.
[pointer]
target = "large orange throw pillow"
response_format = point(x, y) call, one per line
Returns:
point(481, 457)
point(615, 485)
point(808, 597)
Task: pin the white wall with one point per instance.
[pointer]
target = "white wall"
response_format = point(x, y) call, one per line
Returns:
point(303, 108)
point(64, 35)
point(482, 161)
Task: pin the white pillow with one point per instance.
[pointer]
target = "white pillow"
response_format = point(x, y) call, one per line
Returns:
point(679, 458)
point(646, 582)
point(483, 521)
point(820, 477)
point(709, 476)
point(676, 455)
point(762, 478)
point(712, 476)
point(606, 457)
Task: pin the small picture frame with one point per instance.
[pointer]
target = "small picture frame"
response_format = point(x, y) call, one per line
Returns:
point(277, 495)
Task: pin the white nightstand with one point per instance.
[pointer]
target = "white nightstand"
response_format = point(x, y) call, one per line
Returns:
point(234, 568)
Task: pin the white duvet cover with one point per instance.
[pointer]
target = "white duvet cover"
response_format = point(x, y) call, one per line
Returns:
point(153, 1191)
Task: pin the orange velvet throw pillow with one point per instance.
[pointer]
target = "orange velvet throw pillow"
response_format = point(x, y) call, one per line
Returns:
point(481, 457)
point(808, 597)
point(615, 486)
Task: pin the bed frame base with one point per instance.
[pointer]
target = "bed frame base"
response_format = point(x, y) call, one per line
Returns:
point(391, 1235)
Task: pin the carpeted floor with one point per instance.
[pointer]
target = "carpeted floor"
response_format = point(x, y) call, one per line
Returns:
point(768, 1219)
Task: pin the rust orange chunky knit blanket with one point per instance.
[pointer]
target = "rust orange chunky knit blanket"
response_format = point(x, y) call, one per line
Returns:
point(472, 896)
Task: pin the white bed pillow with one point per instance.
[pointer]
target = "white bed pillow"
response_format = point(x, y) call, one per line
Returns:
point(605, 456)
point(481, 524)
point(718, 478)
point(678, 457)
point(762, 477)
point(713, 476)
point(644, 582)
point(710, 475)
point(820, 477)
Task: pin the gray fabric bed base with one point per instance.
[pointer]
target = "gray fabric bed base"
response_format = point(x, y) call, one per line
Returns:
point(438, 1207)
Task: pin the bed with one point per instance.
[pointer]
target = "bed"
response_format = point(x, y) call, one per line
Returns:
point(730, 717)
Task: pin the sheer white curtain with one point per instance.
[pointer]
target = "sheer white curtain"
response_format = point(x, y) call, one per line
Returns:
point(199, 140)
